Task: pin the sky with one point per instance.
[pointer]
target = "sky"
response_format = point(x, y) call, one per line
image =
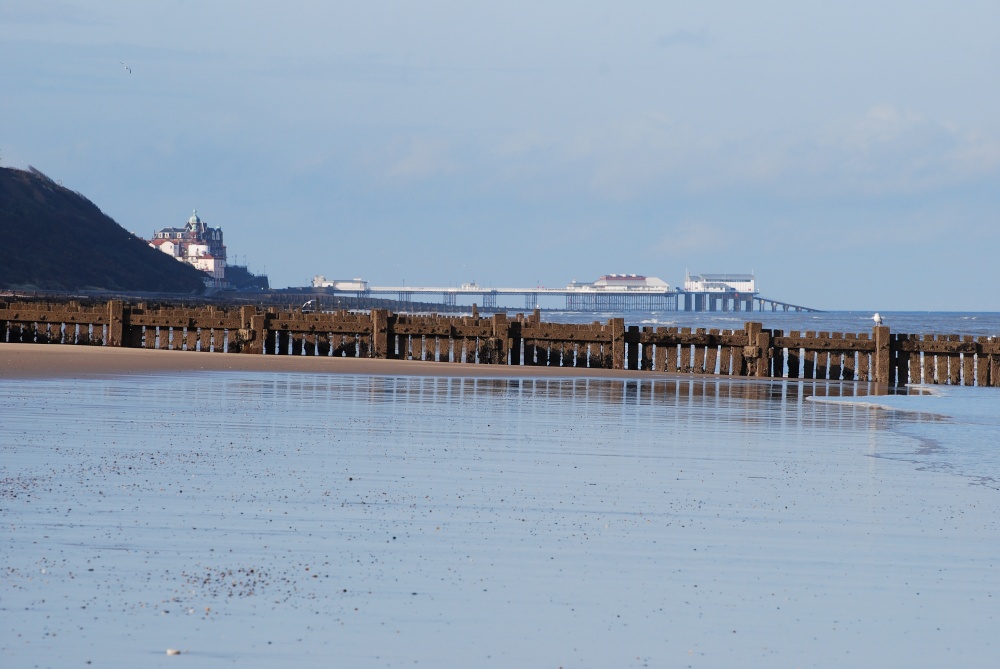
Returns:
point(847, 153)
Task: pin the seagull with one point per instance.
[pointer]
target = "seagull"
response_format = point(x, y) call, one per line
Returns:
point(877, 319)
point(129, 69)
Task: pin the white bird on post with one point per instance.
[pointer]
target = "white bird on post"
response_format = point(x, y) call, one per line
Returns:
point(877, 319)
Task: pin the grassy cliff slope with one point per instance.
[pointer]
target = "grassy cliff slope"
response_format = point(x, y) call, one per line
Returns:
point(52, 238)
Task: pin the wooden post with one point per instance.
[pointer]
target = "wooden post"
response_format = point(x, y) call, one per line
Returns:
point(982, 364)
point(633, 348)
point(617, 326)
point(380, 334)
point(515, 342)
point(751, 352)
point(968, 361)
point(901, 360)
point(765, 354)
point(116, 323)
point(258, 334)
point(880, 333)
point(501, 339)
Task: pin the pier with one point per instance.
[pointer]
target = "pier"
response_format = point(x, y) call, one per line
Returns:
point(880, 356)
point(611, 292)
point(574, 299)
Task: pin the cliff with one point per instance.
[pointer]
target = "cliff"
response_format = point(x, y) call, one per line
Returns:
point(52, 238)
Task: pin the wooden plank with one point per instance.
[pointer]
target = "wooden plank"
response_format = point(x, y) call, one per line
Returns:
point(204, 340)
point(929, 364)
point(809, 367)
point(176, 339)
point(850, 364)
point(324, 347)
point(941, 368)
point(660, 359)
point(968, 364)
point(864, 357)
point(982, 368)
point(942, 344)
point(712, 354)
point(916, 364)
point(793, 354)
point(528, 356)
point(836, 357)
point(725, 357)
point(995, 370)
point(163, 338)
point(954, 364)
point(552, 354)
point(338, 345)
point(646, 353)
point(699, 353)
point(822, 343)
point(40, 316)
point(823, 358)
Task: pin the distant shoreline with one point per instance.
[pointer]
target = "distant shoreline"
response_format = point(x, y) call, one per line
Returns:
point(39, 361)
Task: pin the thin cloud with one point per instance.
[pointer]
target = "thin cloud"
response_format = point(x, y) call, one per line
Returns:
point(423, 159)
point(42, 12)
point(687, 38)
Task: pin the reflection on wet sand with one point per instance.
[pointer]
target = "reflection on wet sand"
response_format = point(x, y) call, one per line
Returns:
point(281, 519)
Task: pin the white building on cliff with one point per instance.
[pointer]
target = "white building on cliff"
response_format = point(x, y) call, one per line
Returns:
point(198, 245)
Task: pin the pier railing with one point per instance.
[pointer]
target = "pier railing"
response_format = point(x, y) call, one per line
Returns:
point(879, 356)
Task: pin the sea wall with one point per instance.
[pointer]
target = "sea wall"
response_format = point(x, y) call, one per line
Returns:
point(880, 356)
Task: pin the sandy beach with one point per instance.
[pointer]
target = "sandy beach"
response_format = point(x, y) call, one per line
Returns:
point(392, 514)
point(25, 361)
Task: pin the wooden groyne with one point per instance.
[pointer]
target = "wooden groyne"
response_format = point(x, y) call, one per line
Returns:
point(879, 356)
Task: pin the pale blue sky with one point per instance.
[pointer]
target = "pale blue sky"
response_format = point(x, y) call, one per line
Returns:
point(848, 153)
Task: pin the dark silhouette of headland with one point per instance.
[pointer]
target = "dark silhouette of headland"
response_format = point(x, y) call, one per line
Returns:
point(55, 239)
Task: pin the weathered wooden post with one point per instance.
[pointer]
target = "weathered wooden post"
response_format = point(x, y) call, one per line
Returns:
point(501, 345)
point(632, 338)
point(515, 340)
point(258, 334)
point(617, 326)
point(751, 352)
point(380, 333)
point(116, 322)
point(883, 350)
point(765, 354)
point(245, 336)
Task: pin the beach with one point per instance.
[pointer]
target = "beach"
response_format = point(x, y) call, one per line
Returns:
point(244, 512)
point(24, 361)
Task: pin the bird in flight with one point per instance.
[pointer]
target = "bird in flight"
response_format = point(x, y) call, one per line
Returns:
point(127, 68)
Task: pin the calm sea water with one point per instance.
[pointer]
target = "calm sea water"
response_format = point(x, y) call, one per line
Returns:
point(909, 322)
point(304, 520)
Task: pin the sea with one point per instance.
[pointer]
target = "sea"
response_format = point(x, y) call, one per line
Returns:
point(285, 519)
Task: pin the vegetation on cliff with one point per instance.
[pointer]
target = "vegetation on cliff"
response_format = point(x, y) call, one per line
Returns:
point(52, 238)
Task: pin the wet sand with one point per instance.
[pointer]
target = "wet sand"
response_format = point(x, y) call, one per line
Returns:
point(27, 361)
point(288, 519)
